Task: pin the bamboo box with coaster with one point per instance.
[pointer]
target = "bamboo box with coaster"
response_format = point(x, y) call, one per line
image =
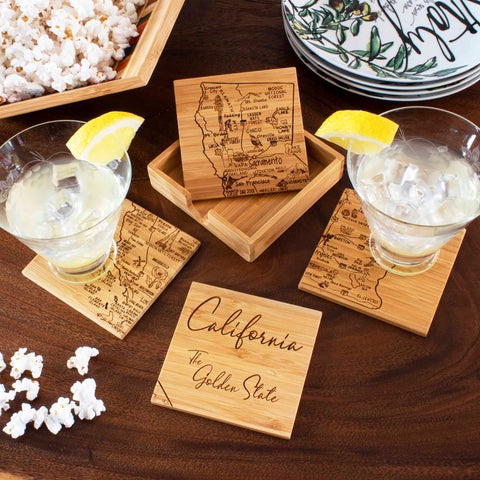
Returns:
point(241, 134)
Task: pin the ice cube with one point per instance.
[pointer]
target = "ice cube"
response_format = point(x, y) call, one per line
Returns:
point(395, 192)
point(404, 212)
point(64, 176)
point(88, 219)
point(447, 213)
point(395, 170)
point(410, 173)
point(373, 189)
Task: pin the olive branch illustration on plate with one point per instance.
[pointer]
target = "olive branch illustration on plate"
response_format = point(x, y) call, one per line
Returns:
point(342, 19)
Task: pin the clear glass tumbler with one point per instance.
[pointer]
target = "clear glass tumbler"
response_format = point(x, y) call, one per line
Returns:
point(421, 191)
point(64, 209)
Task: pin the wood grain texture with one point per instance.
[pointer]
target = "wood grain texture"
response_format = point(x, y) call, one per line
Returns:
point(151, 253)
point(249, 225)
point(343, 270)
point(378, 402)
point(156, 20)
point(238, 359)
point(241, 134)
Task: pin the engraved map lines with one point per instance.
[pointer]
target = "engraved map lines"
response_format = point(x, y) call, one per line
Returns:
point(150, 254)
point(342, 263)
point(248, 137)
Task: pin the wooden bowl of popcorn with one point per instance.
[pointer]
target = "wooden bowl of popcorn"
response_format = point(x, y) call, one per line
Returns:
point(56, 52)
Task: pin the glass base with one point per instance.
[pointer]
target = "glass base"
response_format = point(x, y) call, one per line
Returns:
point(91, 272)
point(406, 267)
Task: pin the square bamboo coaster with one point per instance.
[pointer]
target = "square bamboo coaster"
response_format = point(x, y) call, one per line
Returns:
point(249, 225)
point(238, 359)
point(150, 254)
point(241, 134)
point(342, 270)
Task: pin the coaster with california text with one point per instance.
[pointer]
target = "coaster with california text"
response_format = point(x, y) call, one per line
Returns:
point(343, 271)
point(151, 252)
point(241, 134)
point(238, 359)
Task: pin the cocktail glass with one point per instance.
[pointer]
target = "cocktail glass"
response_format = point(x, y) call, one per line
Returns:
point(64, 209)
point(420, 192)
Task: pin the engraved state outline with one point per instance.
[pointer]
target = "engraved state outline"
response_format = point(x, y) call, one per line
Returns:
point(237, 86)
point(110, 317)
point(162, 399)
point(346, 201)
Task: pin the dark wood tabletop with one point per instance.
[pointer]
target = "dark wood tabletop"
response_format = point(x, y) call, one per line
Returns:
point(378, 402)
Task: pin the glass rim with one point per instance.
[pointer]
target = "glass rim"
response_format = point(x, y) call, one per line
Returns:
point(425, 107)
point(38, 125)
point(403, 222)
point(110, 213)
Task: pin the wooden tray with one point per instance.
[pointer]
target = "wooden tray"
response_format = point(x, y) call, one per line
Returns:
point(155, 22)
point(249, 225)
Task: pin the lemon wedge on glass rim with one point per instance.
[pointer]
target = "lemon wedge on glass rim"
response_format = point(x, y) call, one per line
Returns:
point(361, 132)
point(104, 138)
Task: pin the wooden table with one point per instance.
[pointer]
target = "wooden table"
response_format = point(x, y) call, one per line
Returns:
point(378, 402)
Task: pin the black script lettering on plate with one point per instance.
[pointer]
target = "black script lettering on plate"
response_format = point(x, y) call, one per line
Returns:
point(440, 16)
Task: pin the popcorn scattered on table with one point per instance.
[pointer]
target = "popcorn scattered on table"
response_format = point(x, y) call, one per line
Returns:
point(54, 45)
point(19, 420)
point(88, 405)
point(21, 362)
point(32, 387)
point(61, 413)
point(3, 365)
point(39, 416)
point(81, 359)
point(16, 426)
point(5, 398)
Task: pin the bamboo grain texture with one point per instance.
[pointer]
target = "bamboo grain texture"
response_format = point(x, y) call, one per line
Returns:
point(343, 271)
point(241, 134)
point(238, 359)
point(249, 225)
point(151, 252)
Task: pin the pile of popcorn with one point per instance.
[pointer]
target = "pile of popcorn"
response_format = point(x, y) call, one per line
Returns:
point(54, 45)
point(83, 404)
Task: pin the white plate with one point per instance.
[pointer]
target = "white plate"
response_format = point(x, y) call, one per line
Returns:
point(383, 96)
point(401, 40)
point(369, 86)
point(395, 87)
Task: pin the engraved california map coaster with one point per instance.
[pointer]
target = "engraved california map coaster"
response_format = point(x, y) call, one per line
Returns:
point(151, 252)
point(238, 359)
point(343, 271)
point(241, 134)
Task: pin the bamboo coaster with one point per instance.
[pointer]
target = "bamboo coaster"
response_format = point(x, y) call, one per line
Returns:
point(342, 270)
point(150, 254)
point(249, 225)
point(241, 134)
point(238, 359)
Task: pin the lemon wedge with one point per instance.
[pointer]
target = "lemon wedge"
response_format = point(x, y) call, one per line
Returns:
point(361, 132)
point(104, 138)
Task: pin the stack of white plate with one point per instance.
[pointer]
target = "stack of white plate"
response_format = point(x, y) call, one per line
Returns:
point(402, 50)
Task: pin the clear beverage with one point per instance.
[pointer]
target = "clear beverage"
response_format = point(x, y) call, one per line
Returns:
point(420, 183)
point(64, 209)
point(61, 198)
point(422, 190)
